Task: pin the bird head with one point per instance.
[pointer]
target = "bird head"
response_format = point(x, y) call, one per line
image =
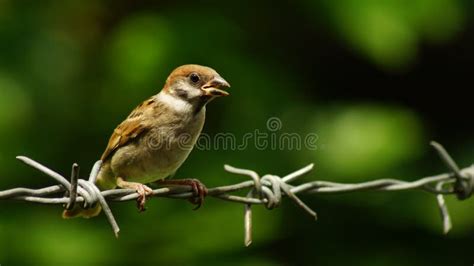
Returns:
point(195, 84)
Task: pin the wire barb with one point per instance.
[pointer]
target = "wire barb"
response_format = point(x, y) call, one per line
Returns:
point(443, 209)
point(268, 190)
point(464, 183)
point(73, 189)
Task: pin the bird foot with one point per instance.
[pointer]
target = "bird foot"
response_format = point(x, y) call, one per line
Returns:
point(143, 191)
point(198, 188)
point(199, 191)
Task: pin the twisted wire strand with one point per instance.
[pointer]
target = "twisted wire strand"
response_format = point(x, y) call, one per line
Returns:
point(268, 190)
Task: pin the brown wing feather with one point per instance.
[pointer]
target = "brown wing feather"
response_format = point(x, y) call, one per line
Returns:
point(128, 130)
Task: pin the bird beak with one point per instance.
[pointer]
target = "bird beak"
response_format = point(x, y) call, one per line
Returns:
point(215, 86)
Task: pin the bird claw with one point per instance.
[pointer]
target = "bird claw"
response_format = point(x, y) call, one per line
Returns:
point(199, 191)
point(143, 191)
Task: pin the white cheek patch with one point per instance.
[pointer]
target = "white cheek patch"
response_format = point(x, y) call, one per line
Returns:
point(191, 92)
point(176, 103)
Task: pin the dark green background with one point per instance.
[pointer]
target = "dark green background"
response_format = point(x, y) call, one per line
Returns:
point(376, 80)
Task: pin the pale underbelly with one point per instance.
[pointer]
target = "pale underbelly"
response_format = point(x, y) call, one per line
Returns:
point(160, 152)
point(148, 166)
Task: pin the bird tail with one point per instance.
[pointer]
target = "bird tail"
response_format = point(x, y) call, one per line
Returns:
point(78, 211)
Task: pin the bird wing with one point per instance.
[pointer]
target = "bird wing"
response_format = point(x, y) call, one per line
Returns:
point(128, 130)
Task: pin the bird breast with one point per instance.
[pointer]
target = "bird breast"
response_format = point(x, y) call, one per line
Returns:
point(161, 150)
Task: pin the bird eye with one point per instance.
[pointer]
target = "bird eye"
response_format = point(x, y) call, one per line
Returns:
point(194, 77)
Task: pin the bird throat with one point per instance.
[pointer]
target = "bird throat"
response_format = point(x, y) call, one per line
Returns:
point(201, 102)
point(181, 104)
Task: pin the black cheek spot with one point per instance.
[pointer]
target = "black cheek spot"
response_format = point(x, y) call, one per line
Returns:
point(182, 93)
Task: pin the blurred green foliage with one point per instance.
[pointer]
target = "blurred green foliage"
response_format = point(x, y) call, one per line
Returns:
point(357, 136)
point(362, 74)
point(389, 31)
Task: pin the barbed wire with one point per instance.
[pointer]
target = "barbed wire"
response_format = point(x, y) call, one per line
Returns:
point(267, 190)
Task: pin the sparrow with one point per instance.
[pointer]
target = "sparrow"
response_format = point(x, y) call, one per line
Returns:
point(157, 137)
